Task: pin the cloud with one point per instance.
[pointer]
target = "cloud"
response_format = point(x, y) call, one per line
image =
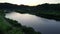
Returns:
point(30, 2)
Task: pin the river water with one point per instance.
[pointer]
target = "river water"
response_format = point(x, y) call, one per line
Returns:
point(45, 26)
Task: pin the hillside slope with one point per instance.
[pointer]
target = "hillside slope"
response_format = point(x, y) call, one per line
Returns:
point(6, 28)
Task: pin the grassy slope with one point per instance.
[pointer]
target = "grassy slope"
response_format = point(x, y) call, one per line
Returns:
point(6, 28)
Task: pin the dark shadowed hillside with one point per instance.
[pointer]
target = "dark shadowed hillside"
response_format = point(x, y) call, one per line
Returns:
point(45, 6)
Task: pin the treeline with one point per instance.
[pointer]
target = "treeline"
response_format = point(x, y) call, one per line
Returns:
point(45, 6)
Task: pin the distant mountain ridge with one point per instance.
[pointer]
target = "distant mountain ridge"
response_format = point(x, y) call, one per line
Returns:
point(45, 6)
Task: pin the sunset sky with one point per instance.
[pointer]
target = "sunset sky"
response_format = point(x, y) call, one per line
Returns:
point(30, 2)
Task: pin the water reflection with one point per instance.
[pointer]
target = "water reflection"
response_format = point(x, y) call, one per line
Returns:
point(45, 26)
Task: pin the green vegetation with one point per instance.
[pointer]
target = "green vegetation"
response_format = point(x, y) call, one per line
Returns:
point(51, 14)
point(8, 26)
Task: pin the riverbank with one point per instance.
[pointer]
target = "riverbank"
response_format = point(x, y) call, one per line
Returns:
point(49, 14)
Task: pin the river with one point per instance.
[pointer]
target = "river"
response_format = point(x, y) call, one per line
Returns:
point(45, 26)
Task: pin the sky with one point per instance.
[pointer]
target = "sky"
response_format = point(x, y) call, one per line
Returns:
point(30, 2)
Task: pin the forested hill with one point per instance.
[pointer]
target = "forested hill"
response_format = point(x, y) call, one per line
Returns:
point(45, 6)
